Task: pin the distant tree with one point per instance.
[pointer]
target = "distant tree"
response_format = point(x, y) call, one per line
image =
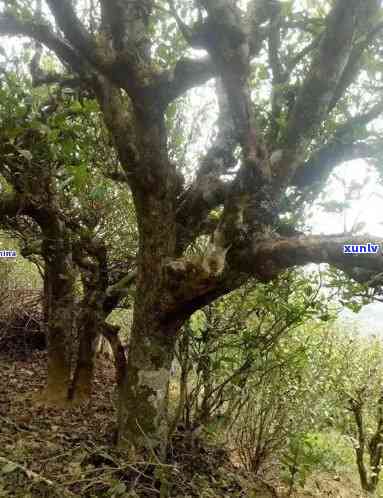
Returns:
point(355, 399)
point(57, 214)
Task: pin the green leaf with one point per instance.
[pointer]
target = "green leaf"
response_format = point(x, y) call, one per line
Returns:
point(9, 467)
point(98, 193)
point(26, 154)
point(76, 107)
point(118, 489)
point(79, 175)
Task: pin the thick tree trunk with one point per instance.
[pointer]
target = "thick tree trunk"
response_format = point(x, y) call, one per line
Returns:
point(91, 329)
point(90, 325)
point(143, 417)
point(59, 313)
point(59, 308)
point(155, 184)
point(110, 332)
point(88, 331)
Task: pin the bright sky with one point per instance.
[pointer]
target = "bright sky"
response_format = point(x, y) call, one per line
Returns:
point(368, 209)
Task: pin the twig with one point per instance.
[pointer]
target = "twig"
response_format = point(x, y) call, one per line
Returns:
point(37, 477)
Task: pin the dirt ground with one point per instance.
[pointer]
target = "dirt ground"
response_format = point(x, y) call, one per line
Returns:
point(56, 444)
point(70, 453)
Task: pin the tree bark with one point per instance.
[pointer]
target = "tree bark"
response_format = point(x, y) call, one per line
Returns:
point(88, 332)
point(110, 332)
point(143, 417)
point(92, 326)
point(91, 321)
point(59, 315)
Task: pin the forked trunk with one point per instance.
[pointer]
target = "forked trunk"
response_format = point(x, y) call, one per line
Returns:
point(143, 403)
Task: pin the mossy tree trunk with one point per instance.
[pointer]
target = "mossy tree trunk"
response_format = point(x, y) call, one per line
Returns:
point(89, 330)
point(369, 444)
point(143, 393)
point(91, 326)
point(143, 418)
point(59, 298)
point(91, 321)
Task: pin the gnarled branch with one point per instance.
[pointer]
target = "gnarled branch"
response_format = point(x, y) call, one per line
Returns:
point(43, 33)
point(312, 103)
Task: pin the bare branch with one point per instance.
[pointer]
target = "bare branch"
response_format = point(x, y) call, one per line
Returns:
point(42, 32)
point(353, 64)
point(209, 191)
point(186, 31)
point(128, 23)
point(227, 40)
point(73, 29)
point(121, 288)
point(342, 147)
point(314, 98)
point(187, 74)
point(315, 172)
point(275, 45)
point(266, 259)
point(279, 76)
point(360, 120)
point(41, 77)
point(302, 54)
point(258, 13)
point(118, 121)
point(228, 46)
point(206, 194)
